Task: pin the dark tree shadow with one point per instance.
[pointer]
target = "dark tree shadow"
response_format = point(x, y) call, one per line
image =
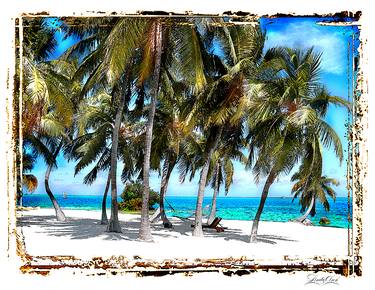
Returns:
point(85, 228)
point(183, 226)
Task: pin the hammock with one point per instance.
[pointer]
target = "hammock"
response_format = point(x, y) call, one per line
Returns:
point(192, 214)
point(156, 214)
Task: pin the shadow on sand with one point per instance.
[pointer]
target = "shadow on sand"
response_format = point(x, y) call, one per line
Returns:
point(85, 228)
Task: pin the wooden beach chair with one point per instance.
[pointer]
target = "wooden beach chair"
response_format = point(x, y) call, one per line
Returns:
point(214, 225)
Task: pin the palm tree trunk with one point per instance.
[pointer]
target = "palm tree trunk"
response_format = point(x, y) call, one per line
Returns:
point(19, 184)
point(19, 199)
point(198, 230)
point(306, 214)
point(60, 216)
point(167, 170)
point(214, 197)
point(104, 220)
point(270, 179)
point(114, 224)
point(145, 229)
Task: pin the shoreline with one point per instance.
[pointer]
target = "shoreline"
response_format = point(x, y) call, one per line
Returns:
point(150, 212)
point(83, 236)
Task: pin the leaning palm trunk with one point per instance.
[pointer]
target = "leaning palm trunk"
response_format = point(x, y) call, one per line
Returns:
point(104, 220)
point(167, 170)
point(301, 219)
point(214, 197)
point(114, 225)
point(60, 216)
point(198, 230)
point(270, 179)
point(19, 199)
point(145, 229)
point(19, 187)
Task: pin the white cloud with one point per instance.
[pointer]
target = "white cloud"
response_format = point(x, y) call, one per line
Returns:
point(242, 176)
point(306, 34)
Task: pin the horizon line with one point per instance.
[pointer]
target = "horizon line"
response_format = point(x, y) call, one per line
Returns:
point(220, 196)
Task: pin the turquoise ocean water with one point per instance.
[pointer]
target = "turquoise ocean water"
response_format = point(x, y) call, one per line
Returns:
point(280, 209)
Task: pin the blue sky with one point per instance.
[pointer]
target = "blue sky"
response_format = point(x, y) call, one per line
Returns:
point(293, 32)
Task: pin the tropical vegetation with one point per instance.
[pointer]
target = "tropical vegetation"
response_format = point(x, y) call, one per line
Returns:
point(164, 94)
point(132, 198)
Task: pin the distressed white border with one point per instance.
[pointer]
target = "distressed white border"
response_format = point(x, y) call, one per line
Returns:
point(264, 280)
point(195, 6)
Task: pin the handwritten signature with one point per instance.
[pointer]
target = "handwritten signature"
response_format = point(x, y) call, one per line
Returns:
point(321, 279)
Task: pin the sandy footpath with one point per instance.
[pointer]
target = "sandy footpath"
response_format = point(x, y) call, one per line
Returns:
point(83, 237)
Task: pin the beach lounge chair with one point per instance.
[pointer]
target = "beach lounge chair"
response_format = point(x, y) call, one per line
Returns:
point(214, 225)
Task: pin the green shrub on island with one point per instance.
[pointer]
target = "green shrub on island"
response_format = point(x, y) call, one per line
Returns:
point(132, 197)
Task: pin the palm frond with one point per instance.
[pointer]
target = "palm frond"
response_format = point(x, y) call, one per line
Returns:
point(30, 182)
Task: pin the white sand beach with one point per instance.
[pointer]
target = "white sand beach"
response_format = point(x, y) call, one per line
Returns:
point(83, 237)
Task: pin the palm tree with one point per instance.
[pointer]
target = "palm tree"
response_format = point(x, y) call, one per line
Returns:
point(286, 110)
point(164, 40)
point(108, 47)
point(48, 98)
point(168, 44)
point(28, 181)
point(222, 168)
point(310, 185)
point(94, 130)
point(166, 146)
point(224, 102)
point(170, 132)
point(108, 64)
point(95, 123)
point(38, 44)
point(113, 225)
point(60, 216)
point(318, 189)
point(49, 104)
point(154, 51)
